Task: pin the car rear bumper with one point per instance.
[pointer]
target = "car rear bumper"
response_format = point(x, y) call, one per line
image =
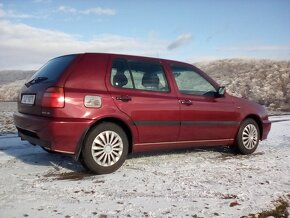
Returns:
point(266, 125)
point(57, 134)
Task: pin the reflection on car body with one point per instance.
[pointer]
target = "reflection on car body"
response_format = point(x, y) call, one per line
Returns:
point(100, 107)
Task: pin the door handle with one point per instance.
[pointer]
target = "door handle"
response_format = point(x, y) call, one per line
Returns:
point(124, 98)
point(186, 102)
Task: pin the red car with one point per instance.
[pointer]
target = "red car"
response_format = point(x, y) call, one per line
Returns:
point(100, 107)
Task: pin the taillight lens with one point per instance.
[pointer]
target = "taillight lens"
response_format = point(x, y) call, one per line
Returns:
point(53, 97)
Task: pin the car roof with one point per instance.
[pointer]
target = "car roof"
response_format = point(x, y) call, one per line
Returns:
point(128, 56)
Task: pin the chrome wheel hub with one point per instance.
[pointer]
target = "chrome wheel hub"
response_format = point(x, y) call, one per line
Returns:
point(107, 148)
point(250, 136)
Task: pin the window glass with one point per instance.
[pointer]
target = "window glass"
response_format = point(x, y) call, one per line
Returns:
point(120, 74)
point(139, 75)
point(191, 82)
point(148, 76)
point(54, 68)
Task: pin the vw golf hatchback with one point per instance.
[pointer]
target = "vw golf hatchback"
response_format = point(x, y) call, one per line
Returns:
point(100, 107)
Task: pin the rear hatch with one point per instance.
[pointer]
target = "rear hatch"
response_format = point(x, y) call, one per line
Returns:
point(45, 88)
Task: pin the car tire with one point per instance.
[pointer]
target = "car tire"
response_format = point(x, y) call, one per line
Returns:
point(248, 137)
point(105, 148)
point(82, 162)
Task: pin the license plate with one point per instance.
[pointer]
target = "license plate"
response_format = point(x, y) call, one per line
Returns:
point(28, 99)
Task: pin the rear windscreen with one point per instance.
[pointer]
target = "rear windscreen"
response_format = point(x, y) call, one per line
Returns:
point(54, 68)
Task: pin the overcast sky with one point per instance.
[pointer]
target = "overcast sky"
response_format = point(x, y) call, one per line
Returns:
point(34, 31)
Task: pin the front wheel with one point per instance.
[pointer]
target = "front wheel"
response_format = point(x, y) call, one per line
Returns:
point(105, 148)
point(248, 137)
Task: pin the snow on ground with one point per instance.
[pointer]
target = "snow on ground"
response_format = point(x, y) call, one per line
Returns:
point(201, 182)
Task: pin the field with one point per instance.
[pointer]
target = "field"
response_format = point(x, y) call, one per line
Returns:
point(184, 183)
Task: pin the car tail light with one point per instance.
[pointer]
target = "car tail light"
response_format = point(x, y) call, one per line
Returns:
point(53, 97)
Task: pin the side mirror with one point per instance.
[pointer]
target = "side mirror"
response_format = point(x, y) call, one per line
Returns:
point(221, 91)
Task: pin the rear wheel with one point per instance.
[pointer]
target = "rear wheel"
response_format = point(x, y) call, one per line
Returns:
point(105, 148)
point(248, 137)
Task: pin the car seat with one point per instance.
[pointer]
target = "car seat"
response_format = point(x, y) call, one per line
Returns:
point(150, 81)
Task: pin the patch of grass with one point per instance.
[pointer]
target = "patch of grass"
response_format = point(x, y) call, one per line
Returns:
point(228, 156)
point(234, 203)
point(279, 211)
point(69, 175)
point(229, 196)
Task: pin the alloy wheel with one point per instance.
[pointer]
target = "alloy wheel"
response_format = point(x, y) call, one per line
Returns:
point(250, 136)
point(107, 148)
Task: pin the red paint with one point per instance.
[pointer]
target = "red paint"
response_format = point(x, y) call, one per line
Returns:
point(156, 120)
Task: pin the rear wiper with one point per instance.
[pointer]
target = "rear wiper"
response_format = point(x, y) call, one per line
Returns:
point(35, 80)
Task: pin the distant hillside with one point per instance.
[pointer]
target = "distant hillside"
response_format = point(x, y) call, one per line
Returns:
point(264, 81)
point(8, 76)
point(9, 91)
point(10, 83)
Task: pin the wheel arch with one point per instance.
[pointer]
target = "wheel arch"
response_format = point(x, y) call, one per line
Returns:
point(257, 119)
point(115, 120)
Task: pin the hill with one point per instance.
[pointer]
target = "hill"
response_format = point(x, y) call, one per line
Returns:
point(10, 83)
point(264, 81)
point(8, 76)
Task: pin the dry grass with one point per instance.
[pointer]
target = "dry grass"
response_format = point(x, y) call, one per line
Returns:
point(69, 175)
point(280, 210)
point(9, 91)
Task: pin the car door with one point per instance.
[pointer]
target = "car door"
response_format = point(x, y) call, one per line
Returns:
point(205, 117)
point(140, 89)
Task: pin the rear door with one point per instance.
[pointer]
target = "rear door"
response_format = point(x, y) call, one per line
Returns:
point(141, 90)
point(205, 117)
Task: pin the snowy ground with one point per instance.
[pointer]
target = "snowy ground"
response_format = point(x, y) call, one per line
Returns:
point(205, 183)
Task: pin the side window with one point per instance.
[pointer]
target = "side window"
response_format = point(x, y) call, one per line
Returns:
point(191, 82)
point(148, 76)
point(140, 75)
point(120, 74)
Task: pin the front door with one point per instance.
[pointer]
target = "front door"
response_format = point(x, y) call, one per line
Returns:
point(205, 117)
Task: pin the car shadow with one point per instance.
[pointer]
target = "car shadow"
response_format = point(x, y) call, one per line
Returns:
point(223, 150)
point(35, 155)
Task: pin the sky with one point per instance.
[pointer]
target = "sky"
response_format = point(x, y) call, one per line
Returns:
point(34, 31)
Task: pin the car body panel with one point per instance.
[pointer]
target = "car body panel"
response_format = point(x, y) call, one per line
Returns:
point(208, 118)
point(150, 111)
point(155, 120)
point(253, 110)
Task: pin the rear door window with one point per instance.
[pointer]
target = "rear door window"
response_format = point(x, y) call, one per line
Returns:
point(121, 75)
point(142, 75)
point(52, 70)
